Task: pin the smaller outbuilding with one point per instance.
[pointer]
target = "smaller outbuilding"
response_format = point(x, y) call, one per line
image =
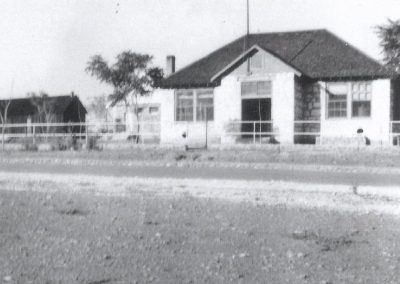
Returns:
point(49, 109)
point(62, 109)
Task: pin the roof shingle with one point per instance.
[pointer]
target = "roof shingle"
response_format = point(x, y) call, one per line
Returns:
point(24, 106)
point(317, 54)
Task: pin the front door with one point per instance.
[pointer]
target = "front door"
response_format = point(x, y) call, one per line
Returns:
point(256, 112)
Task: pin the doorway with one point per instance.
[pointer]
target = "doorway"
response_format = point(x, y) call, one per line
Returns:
point(257, 111)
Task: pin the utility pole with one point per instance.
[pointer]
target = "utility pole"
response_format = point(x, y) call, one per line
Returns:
point(247, 33)
point(248, 19)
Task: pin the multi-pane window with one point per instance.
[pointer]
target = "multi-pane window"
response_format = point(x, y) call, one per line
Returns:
point(337, 100)
point(361, 99)
point(184, 105)
point(194, 105)
point(256, 88)
point(205, 105)
point(153, 110)
point(357, 93)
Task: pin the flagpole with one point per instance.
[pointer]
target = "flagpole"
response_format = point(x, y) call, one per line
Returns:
point(247, 33)
point(248, 19)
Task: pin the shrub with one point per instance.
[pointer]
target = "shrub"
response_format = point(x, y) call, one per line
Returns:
point(92, 143)
point(31, 147)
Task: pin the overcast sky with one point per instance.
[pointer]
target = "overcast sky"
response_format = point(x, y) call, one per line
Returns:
point(45, 44)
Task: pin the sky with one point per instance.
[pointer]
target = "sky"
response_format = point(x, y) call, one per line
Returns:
point(45, 44)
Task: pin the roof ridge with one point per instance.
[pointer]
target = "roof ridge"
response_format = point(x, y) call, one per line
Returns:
point(27, 97)
point(290, 32)
point(204, 56)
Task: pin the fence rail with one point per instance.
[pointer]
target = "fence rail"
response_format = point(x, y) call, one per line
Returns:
point(307, 128)
point(259, 130)
point(394, 132)
point(251, 130)
point(139, 131)
point(242, 131)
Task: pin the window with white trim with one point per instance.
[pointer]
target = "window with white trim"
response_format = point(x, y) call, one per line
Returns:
point(337, 100)
point(194, 105)
point(204, 105)
point(256, 88)
point(184, 105)
point(361, 93)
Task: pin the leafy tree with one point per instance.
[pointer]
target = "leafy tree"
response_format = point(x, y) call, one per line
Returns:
point(130, 76)
point(389, 35)
point(156, 74)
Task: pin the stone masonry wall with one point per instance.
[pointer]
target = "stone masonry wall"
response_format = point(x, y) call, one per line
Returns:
point(307, 106)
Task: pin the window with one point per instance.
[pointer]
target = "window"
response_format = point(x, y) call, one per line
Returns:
point(361, 99)
point(184, 105)
point(205, 105)
point(153, 110)
point(194, 105)
point(337, 100)
point(256, 61)
point(256, 88)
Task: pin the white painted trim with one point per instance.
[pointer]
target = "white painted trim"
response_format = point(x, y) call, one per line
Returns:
point(259, 49)
point(195, 92)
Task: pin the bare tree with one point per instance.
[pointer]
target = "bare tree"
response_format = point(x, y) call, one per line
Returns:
point(46, 109)
point(4, 105)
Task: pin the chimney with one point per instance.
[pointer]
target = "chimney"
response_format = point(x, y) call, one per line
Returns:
point(170, 65)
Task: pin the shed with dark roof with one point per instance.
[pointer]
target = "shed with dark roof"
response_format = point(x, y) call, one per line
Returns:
point(67, 108)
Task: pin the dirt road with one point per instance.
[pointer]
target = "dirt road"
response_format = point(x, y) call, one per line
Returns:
point(296, 174)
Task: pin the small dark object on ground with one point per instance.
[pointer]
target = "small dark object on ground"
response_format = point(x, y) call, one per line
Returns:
point(355, 189)
point(272, 140)
point(154, 223)
point(102, 281)
point(180, 157)
point(195, 157)
point(72, 212)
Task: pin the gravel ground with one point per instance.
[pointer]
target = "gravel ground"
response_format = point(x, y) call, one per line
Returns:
point(60, 229)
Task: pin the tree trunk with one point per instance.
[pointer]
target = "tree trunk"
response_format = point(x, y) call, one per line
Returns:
point(2, 138)
point(137, 120)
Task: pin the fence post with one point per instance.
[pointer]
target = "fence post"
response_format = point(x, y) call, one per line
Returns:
point(2, 139)
point(33, 134)
point(141, 129)
point(254, 132)
point(87, 135)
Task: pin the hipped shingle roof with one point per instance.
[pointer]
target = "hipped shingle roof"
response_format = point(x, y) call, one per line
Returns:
point(317, 54)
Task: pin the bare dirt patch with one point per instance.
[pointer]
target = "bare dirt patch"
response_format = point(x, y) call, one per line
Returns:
point(145, 237)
